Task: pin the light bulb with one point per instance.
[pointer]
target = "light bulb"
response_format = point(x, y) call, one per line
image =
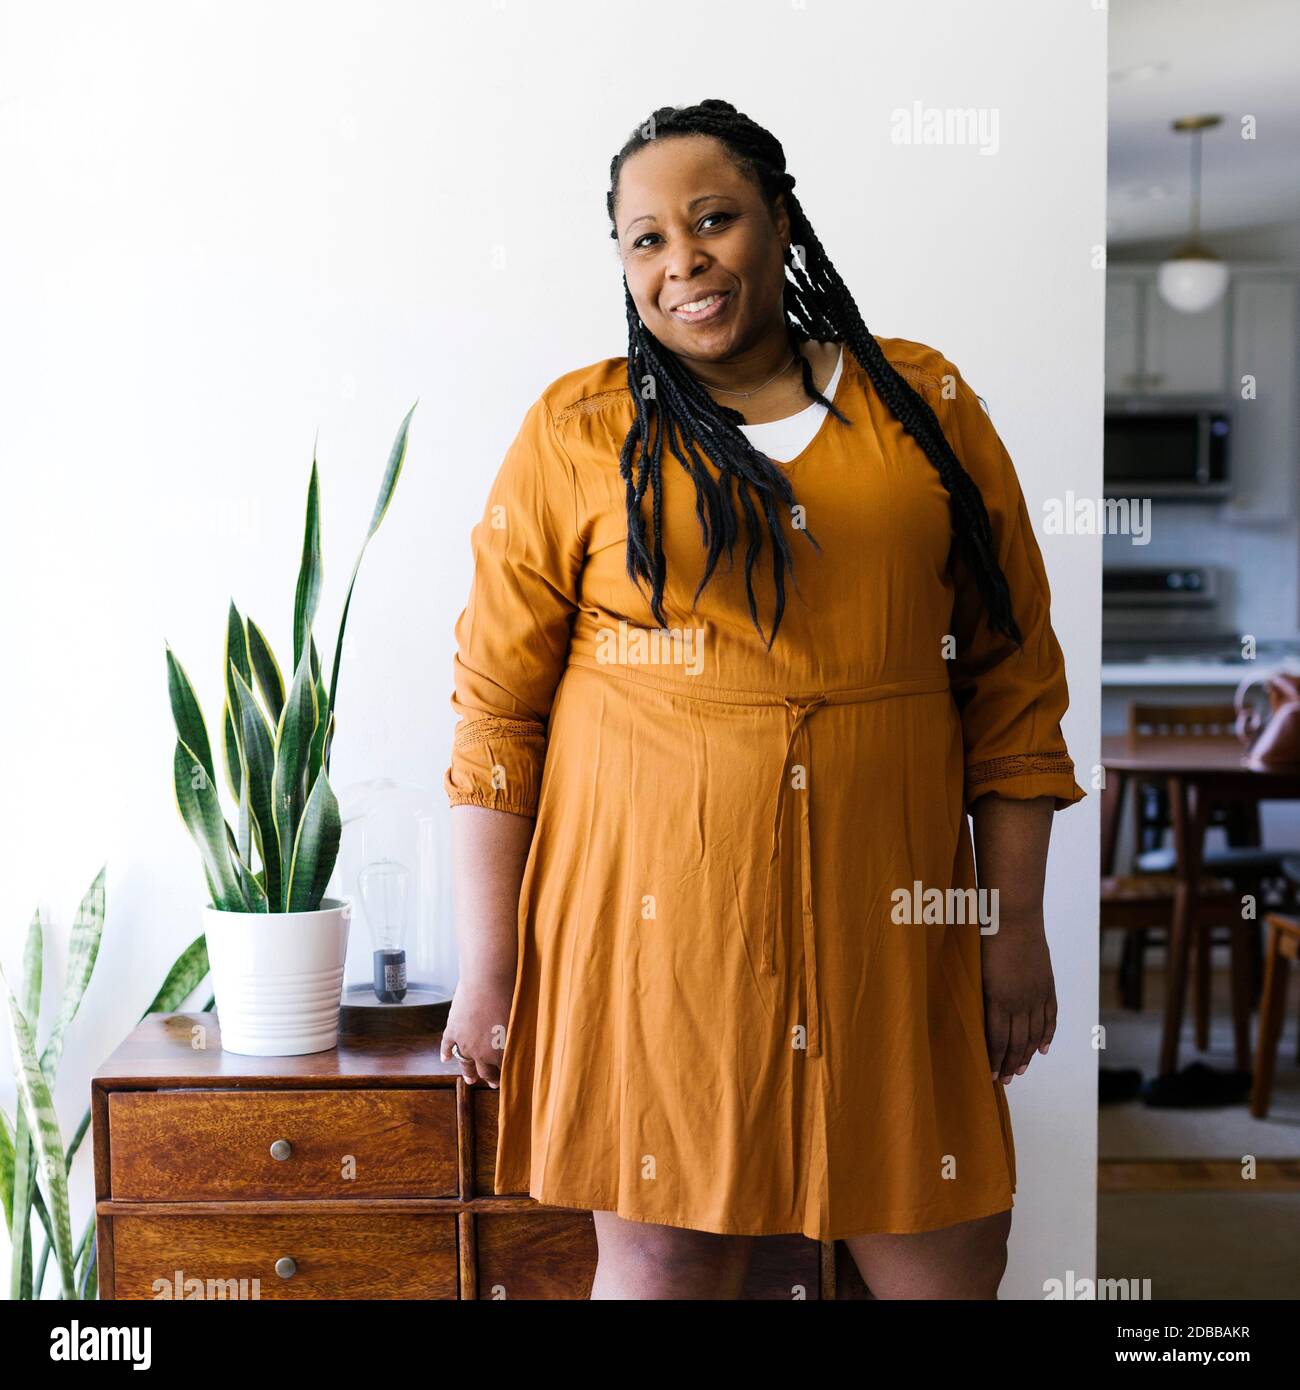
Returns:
point(384, 886)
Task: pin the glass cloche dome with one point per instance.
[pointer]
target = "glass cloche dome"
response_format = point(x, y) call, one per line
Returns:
point(401, 950)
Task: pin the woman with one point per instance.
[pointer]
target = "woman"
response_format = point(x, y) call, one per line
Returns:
point(697, 862)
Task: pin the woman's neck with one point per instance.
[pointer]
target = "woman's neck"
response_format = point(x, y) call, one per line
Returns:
point(786, 396)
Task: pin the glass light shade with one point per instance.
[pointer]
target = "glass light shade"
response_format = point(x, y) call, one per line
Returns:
point(390, 865)
point(1192, 283)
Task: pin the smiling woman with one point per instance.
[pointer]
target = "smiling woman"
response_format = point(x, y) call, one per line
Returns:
point(676, 883)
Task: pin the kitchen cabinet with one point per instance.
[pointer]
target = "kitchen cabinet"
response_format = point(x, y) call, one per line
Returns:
point(1263, 394)
point(1153, 350)
point(1123, 333)
point(1183, 354)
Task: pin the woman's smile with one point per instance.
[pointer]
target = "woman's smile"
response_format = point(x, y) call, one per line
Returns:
point(704, 309)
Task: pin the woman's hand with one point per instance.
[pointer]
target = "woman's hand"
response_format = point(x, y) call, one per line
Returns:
point(480, 1014)
point(1019, 992)
point(1019, 996)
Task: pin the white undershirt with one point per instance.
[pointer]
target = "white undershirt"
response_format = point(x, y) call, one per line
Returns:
point(783, 440)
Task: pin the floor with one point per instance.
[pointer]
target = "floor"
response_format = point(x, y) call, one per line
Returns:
point(1203, 1203)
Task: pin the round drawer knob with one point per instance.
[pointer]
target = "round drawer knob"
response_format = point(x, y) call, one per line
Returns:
point(285, 1267)
point(281, 1149)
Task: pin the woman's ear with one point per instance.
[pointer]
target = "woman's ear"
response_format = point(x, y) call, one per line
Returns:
point(781, 217)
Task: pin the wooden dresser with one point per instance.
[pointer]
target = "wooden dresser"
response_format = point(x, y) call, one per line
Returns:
point(362, 1172)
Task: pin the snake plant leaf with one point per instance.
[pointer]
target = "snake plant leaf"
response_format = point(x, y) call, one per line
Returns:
point(307, 595)
point(85, 1242)
point(77, 1138)
point(237, 656)
point(38, 1203)
point(324, 720)
point(83, 950)
point(20, 1273)
point(267, 670)
point(242, 837)
point(316, 848)
point(257, 765)
point(33, 967)
point(7, 1170)
point(87, 1254)
point(292, 747)
point(196, 800)
point(44, 1124)
point(237, 653)
point(387, 485)
point(186, 712)
point(251, 887)
point(41, 1210)
point(185, 976)
point(230, 744)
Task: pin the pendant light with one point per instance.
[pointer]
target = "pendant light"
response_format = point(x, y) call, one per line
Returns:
point(1193, 277)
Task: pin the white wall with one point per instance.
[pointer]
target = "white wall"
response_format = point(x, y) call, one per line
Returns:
point(230, 225)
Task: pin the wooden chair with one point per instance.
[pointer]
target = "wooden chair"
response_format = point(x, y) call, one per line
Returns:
point(1248, 866)
point(1283, 948)
point(1135, 903)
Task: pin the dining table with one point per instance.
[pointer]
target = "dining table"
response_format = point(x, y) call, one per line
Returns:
point(1199, 773)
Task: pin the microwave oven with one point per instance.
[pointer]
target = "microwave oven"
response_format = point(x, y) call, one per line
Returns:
point(1167, 448)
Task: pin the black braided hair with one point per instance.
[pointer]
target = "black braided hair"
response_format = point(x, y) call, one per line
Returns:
point(818, 305)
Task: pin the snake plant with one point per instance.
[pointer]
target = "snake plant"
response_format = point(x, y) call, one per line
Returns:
point(34, 1164)
point(276, 749)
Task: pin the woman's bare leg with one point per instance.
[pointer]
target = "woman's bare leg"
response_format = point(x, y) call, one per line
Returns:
point(965, 1261)
point(644, 1261)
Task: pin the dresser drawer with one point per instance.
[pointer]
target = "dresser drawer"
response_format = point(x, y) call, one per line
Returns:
point(232, 1257)
point(216, 1145)
point(536, 1254)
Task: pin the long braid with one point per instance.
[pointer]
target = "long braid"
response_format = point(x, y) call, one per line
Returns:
point(817, 305)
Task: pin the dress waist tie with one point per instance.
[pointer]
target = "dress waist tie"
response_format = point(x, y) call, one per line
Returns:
point(797, 743)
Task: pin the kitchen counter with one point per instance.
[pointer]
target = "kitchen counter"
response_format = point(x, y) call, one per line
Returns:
point(1181, 672)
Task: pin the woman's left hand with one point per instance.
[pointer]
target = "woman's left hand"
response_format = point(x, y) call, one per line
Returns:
point(1019, 996)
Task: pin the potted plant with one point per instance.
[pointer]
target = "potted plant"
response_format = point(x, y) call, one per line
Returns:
point(276, 945)
point(32, 1143)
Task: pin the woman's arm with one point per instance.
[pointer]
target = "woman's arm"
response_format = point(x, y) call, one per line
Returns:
point(1011, 837)
point(512, 641)
point(489, 852)
point(489, 849)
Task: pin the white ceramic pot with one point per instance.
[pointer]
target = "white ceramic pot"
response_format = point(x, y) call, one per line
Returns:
point(278, 977)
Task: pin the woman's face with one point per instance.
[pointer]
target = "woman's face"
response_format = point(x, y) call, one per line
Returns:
point(691, 225)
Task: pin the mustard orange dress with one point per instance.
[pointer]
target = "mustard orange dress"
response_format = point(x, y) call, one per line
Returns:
point(725, 1016)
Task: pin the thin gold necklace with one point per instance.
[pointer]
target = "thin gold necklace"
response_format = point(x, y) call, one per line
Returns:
point(727, 391)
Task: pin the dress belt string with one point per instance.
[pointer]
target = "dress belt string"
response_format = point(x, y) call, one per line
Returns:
point(796, 743)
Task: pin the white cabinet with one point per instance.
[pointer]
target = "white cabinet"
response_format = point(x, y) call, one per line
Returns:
point(1183, 353)
point(1154, 350)
point(1263, 460)
point(1123, 336)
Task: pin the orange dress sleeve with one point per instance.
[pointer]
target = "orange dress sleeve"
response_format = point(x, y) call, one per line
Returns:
point(1010, 700)
point(512, 637)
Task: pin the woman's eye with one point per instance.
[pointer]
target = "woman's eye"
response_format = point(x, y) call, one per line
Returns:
point(640, 241)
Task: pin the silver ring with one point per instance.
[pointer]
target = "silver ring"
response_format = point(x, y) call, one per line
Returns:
point(459, 1055)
